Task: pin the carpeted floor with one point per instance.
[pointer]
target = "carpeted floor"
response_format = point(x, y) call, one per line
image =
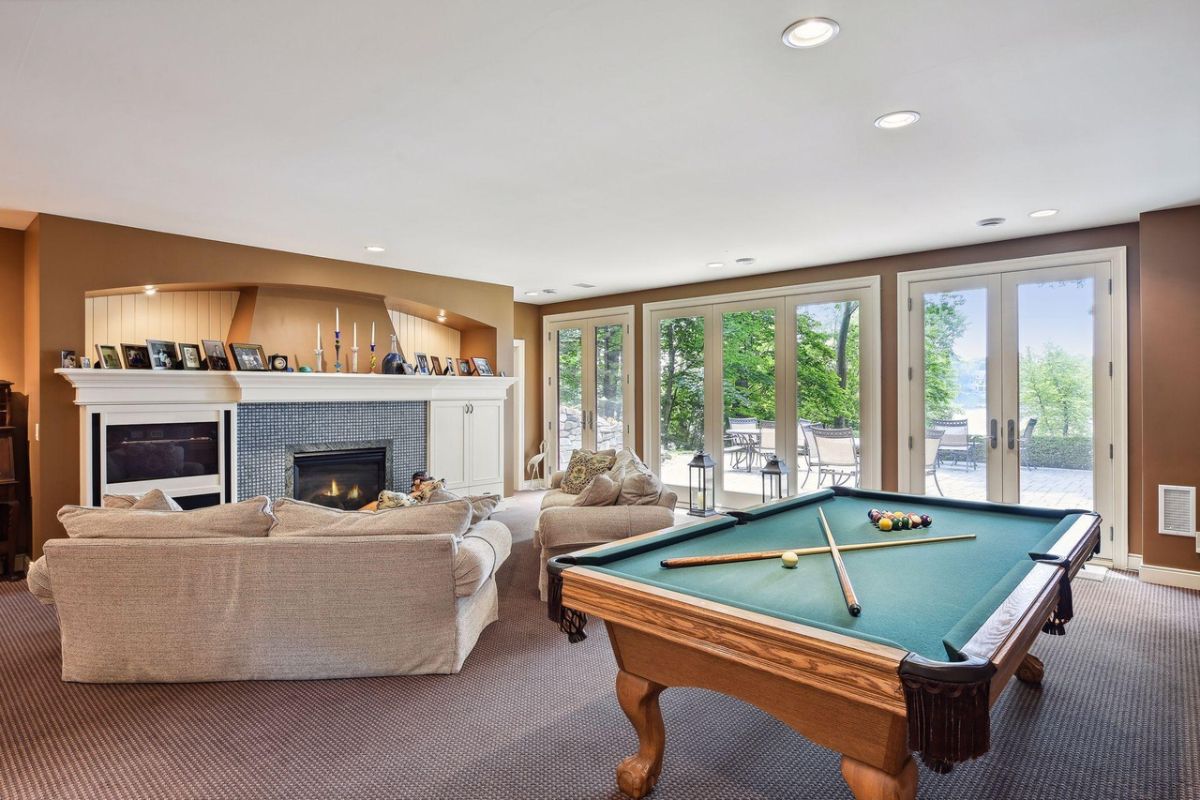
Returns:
point(531, 716)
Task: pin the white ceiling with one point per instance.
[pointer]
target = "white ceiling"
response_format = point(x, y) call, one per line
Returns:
point(624, 143)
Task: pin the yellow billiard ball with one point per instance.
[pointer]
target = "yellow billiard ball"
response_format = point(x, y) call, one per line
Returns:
point(790, 559)
point(885, 524)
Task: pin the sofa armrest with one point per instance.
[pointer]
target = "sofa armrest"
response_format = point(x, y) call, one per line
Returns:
point(482, 550)
point(556, 479)
point(588, 525)
point(668, 499)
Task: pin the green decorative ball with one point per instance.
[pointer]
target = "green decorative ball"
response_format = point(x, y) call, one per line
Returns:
point(306, 369)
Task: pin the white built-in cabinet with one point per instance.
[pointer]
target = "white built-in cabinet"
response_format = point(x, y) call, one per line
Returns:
point(466, 445)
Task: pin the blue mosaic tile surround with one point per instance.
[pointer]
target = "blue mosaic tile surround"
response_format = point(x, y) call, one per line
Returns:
point(265, 431)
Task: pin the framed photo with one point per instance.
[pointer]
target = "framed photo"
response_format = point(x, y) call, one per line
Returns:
point(449, 365)
point(422, 364)
point(214, 354)
point(108, 357)
point(483, 367)
point(249, 357)
point(66, 359)
point(163, 354)
point(464, 367)
point(408, 368)
point(435, 365)
point(137, 356)
point(85, 362)
point(189, 356)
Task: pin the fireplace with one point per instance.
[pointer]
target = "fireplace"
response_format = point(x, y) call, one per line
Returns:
point(347, 477)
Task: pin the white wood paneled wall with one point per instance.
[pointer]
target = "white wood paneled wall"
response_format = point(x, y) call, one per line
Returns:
point(418, 335)
point(174, 316)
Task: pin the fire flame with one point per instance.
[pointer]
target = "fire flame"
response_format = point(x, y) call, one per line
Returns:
point(333, 488)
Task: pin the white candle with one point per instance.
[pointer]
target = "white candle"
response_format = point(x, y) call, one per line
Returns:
point(356, 334)
point(372, 333)
point(337, 318)
point(318, 336)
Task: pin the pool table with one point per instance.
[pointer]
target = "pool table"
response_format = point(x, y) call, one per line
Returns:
point(943, 626)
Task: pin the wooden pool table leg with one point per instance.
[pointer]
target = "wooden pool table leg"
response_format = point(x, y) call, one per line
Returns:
point(1031, 670)
point(871, 783)
point(637, 774)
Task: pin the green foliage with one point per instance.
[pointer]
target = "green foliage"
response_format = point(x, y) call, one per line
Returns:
point(749, 356)
point(681, 398)
point(826, 382)
point(944, 325)
point(1056, 387)
point(570, 367)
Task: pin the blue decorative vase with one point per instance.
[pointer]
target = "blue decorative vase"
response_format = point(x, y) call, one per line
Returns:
point(393, 362)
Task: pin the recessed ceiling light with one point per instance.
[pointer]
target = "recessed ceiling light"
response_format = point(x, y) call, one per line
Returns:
point(897, 119)
point(745, 262)
point(714, 264)
point(532, 294)
point(549, 291)
point(585, 285)
point(1045, 212)
point(149, 289)
point(990, 222)
point(810, 32)
point(441, 317)
point(373, 248)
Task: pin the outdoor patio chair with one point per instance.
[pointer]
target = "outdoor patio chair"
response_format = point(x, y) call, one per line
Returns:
point(739, 447)
point(836, 455)
point(765, 447)
point(933, 443)
point(741, 424)
point(956, 441)
point(1026, 441)
point(809, 449)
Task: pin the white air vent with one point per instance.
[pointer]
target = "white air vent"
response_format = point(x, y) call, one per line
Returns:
point(1177, 510)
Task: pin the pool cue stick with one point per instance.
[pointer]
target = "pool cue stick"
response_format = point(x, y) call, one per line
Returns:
point(843, 578)
point(763, 555)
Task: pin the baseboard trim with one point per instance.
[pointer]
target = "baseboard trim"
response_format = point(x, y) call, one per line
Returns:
point(1170, 576)
point(1133, 562)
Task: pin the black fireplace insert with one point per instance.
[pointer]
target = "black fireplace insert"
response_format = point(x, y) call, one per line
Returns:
point(345, 478)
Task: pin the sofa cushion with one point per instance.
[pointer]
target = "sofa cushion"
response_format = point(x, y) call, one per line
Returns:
point(482, 505)
point(37, 578)
point(639, 486)
point(481, 552)
point(248, 518)
point(585, 465)
point(153, 500)
point(297, 518)
point(557, 498)
point(601, 491)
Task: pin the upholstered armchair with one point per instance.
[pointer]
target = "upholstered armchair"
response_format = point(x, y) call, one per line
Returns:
point(564, 527)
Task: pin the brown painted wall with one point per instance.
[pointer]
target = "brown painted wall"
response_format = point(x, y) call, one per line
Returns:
point(887, 268)
point(70, 257)
point(12, 301)
point(1170, 386)
point(527, 325)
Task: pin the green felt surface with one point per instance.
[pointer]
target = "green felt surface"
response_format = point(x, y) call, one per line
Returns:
point(912, 597)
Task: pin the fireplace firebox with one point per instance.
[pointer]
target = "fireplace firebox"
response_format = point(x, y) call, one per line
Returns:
point(345, 478)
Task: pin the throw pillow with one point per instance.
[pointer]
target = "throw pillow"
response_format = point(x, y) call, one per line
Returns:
point(625, 461)
point(482, 505)
point(297, 518)
point(639, 487)
point(601, 491)
point(153, 500)
point(248, 518)
point(585, 465)
point(390, 499)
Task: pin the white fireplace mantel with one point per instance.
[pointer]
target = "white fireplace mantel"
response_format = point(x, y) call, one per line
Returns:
point(101, 387)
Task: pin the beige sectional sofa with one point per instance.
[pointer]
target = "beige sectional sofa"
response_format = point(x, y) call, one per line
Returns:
point(268, 606)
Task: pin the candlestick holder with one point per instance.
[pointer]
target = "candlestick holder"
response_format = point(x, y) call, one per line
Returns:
point(318, 366)
point(354, 359)
point(337, 351)
point(372, 370)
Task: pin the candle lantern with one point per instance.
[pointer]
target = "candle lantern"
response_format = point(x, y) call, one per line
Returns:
point(700, 485)
point(774, 474)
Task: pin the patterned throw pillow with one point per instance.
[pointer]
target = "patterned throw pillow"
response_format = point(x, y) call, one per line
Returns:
point(585, 465)
point(390, 499)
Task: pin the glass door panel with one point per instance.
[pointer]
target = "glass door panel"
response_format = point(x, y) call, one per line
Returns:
point(1055, 351)
point(828, 394)
point(681, 395)
point(955, 371)
point(569, 382)
point(748, 399)
point(609, 400)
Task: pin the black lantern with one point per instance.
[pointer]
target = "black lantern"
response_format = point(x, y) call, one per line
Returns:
point(773, 476)
point(700, 486)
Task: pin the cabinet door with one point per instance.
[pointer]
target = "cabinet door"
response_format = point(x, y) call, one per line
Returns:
point(485, 442)
point(448, 437)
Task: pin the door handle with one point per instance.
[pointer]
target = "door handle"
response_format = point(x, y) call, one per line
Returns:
point(1012, 434)
point(995, 435)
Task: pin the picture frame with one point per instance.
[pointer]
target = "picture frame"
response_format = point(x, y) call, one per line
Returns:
point(108, 357)
point(435, 365)
point(422, 363)
point(214, 354)
point(449, 366)
point(163, 354)
point(408, 368)
point(85, 362)
point(66, 359)
point(483, 367)
point(135, 356)
point(248, 357)
point(189, 356)
point(464, 367)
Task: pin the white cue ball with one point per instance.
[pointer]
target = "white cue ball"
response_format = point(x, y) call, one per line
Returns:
point(790, 559)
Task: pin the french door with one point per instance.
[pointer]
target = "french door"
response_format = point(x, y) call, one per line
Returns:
point(589, 383)
point(738, 379)
point(1013, 384)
